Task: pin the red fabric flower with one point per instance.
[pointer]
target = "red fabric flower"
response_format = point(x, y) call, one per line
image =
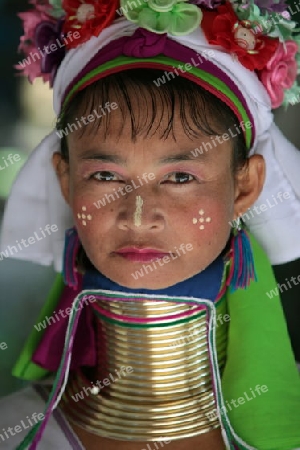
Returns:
point(222, 27)
point(88, 17)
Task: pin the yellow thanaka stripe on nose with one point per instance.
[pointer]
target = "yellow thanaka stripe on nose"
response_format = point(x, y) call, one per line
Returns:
point(137, 216)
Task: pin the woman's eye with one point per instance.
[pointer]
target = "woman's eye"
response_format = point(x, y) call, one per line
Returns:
point(104, 176)
point(180, 178)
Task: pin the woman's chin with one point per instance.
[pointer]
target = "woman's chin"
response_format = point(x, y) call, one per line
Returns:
point(152, 284)
point(151, 281)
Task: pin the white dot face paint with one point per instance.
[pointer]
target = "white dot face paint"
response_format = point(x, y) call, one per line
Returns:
point(201, 220)
point(83, 217)
point(137, 216)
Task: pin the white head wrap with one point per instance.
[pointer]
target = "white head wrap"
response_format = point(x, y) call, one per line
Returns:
point(36, 200)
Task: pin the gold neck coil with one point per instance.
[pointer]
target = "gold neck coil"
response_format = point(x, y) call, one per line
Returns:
point(154, 379)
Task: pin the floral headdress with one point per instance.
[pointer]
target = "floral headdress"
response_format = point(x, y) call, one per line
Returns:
point(258, 33)
point(246, 54)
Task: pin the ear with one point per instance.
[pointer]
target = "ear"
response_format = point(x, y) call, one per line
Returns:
point(249, 182)
point(61, 168)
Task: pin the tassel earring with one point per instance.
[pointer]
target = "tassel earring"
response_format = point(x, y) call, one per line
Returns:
point(242, 270)
point(72, 245)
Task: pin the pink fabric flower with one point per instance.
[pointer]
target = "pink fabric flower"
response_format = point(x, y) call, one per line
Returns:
point(41, 5)
point(30, 21)
point(280, 72)
point(32, 66)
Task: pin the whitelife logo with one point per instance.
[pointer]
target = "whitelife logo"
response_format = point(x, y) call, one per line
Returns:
point(86, 120)
point(48, 49)
point(24, 425)
point(9, 160)
point(162, 261)
point(106, 382)
point(24, 243)
point(125, 190)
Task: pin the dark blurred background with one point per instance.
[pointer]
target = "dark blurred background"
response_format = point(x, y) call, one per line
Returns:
point(26, 116)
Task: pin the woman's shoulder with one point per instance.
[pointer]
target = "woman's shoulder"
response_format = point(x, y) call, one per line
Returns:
point(20, 411)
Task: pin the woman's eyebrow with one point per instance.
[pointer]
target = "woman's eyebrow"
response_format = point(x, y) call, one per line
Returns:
point(117, 159)
point(98, 156)
point(182, 157)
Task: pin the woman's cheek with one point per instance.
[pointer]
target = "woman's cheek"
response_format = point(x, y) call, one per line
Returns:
point(87, 217)
point(209, 224)
point(201, 219)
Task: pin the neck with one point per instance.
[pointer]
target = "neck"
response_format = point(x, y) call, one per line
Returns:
point(152, 358)
point(206, 284)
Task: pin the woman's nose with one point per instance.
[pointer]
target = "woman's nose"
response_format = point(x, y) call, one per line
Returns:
point(141, 212)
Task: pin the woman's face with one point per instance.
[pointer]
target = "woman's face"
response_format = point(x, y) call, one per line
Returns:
point(178, 206)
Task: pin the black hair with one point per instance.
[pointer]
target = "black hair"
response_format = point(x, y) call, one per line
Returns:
point(200, 111)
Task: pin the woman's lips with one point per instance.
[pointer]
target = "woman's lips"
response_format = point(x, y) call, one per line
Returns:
point(141, 254)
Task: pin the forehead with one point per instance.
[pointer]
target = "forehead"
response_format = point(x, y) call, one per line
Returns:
point(119, 127)
point(114, 143)
point(143, 109)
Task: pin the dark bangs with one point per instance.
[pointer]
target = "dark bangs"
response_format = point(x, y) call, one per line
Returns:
point(149, 105)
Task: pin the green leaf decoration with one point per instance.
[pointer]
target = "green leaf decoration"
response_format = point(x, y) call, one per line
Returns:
point(176, 17)
point(57, 10)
